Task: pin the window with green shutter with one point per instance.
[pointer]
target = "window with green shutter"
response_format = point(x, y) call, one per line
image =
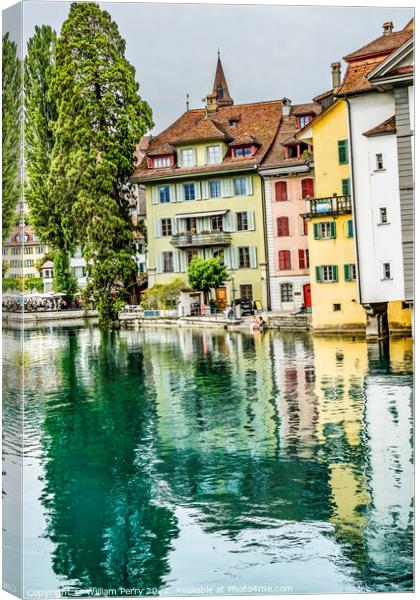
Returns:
point(350, 272)
point(345, 187)
point(324, 230)
point(343, 152)
point(316, 231)
point(350, 228)
point(326, 274)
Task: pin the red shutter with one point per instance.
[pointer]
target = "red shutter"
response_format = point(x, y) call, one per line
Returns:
point(301, 259)
point(282, 226)
point(281, 191)
point(284, 260)
point(307, 188)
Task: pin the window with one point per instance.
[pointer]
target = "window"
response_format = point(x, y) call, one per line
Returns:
point(283, 226)
point(242, 221)
point(324, 230)
point(233, 123)
point(164, 194)
point(350, 273)
point(292, 151)
point(166, 227)
point(307, 186)
point(343, 152)
point(187, 157)
point(245, 291)
point(379, 161)
point(215, 189)
point(40, 250)
point(345, 187)
point(305, 226)
point(303, 255)
point(191, 224)
point(244, 258)
point(21, 238)
point(336, 307)
point(217, 223)
point(286, 292)
point(284, 260)
point(386, 270)
point(168, 262)
point(383, 216)
point(244, 151)
point(281, 191)
point(350, 228)
point(214, 155)
point(16, 250)
point(189, 191)
point(304, 120)
point(161, 161)
point(28, 262)
point(27, 250)
point(240, 186)
point(326, 274)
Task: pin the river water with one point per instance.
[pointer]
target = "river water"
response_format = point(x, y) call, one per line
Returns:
point(179, 462)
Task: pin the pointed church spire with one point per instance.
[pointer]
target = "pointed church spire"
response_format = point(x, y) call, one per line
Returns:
point(220, 87)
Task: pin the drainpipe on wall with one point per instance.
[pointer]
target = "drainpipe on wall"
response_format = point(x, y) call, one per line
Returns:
point(267, 267)
point(353, 196)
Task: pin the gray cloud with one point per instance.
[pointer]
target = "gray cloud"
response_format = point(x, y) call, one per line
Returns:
point(267, 51)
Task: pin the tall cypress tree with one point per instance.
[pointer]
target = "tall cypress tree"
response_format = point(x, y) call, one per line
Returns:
point(11, 132)
point(40, 116)
point(101, 117)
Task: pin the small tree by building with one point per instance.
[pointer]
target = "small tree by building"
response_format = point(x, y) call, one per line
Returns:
point(206, 274)
point(162, 296)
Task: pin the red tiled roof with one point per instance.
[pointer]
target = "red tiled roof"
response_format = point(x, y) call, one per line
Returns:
point(259, 119)
point(245, 138)
point(386, 127)
point(366, 59)
point(285, 135)
point(406, 70)
point(163, 149)
point(384, 44)
point(310, 108)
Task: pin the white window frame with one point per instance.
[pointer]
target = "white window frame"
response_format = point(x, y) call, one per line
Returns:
point(216, 151)
point(386, 264)
point(161, 161)
point(329, 271)
point(324, 225)
point(379, 161)
point(244, 191)
point(184, 194)
point(215, 181)
point(381, 215)
point(190, 161)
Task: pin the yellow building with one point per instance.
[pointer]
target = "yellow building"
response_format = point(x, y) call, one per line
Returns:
point(203, 193)
point(332, 250)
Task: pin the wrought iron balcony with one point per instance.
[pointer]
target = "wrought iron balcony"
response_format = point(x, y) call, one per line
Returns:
point(205, 238)
point(330, 206)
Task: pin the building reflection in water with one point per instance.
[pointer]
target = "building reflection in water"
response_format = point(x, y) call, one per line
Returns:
point(246, 432)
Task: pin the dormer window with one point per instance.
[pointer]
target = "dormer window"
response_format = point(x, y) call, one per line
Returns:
point(161, 161)
point(303, 120)
point(292, 151)
point(244, 151)
point(219, 92)
point(233, 122)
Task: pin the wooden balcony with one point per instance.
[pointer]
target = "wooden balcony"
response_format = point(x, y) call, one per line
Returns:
point(330, 206)
point(208, 238)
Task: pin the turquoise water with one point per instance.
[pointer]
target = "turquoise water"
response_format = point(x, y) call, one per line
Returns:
point(179, 462)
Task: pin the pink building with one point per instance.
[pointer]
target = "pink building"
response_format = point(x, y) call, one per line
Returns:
point(288, 178)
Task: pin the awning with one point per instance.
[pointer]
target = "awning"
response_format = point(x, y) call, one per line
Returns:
point(208, 213)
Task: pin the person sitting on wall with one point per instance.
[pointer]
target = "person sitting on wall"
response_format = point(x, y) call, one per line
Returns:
point(255, 323)
point(262, 324)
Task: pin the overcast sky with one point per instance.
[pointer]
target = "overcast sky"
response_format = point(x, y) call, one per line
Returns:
point(267, 52)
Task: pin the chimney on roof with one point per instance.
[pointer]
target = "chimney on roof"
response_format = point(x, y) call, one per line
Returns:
point(336, 76)
point(286, 104)
point(388, 27)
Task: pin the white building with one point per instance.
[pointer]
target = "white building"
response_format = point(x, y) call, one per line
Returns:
point(379, 129)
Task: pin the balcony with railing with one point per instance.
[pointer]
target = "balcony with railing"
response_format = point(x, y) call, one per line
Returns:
point(191, 239)
point(330, 206)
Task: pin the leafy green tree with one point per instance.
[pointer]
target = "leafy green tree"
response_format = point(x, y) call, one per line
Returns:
point(40, 115)
point(101, 117)
point(11, 131)
point(205, 275)
point(163, 296)
point(64, 281)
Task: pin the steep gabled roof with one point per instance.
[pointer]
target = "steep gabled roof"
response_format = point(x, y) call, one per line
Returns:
point(368, 58)
point(385, 44)
point(257, 121)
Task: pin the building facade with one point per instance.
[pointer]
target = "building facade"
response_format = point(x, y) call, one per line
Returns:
point(22, 252)
point(376, 89)
point(288, 179)
point(330, 226)
point(204, 194)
